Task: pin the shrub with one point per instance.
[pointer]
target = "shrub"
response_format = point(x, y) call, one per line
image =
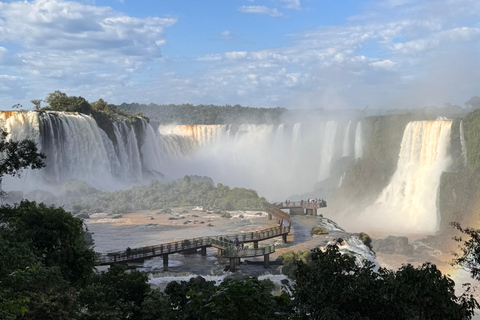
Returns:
point(366, 240)
point(319, 230)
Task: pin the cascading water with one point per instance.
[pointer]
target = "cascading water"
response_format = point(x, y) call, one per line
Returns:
point(358, 141)
point(408, 203)
point(463, 143)
point(276, 160)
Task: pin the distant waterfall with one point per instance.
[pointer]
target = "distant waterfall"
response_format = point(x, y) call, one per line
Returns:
point(76, 148)
point(346, 141)
point(463, 143)
point(276, 160)
point(358, 141)
point(409, 201)
point(296, 131)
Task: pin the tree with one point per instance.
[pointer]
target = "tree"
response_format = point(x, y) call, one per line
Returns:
point(473, 102)
point(17, 156)
point(115, 294)
point(333, 286)
point(469, 258)
point(54, 236)
point(238, 299)
point(37, 104)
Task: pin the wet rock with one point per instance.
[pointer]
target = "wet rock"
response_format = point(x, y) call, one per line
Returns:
point(392, 245)
point(199, 280)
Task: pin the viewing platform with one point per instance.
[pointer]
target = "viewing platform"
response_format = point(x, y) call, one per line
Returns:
point(224, 243)
point(302, 207)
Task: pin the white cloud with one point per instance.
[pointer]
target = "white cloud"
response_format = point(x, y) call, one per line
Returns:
point(226, 35)
point(236, 55)
point(292, 4)
point(272, 12)
point(385, 64)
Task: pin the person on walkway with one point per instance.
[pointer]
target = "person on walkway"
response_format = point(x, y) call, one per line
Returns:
point(236, 244)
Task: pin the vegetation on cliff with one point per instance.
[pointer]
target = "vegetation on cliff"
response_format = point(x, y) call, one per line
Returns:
point(105, 114)
point(189, 114)
point(368, 176)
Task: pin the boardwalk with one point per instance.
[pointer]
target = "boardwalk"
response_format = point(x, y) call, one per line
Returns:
point(224, 244)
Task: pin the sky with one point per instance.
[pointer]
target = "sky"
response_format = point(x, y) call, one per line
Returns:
point(296, 54)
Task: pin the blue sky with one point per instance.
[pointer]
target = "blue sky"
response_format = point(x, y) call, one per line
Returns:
point(258, 53)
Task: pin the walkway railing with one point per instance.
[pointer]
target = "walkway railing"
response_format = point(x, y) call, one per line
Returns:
point(224, 242)
point(254, 252)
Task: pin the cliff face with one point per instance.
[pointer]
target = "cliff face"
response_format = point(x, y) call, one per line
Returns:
point(459, 192)
point(368, 176)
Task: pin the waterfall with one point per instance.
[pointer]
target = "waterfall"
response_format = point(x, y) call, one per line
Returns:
point(296, 132)
point(327, 149)
point(463, 143)
point(276, 160)
point(346, 141)
point(409, 200)
point(358, 141)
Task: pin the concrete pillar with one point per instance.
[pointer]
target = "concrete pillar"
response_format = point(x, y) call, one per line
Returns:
point(266, 260)
point(232, 264)
point(165, 262)
point(255, 244)
point(284, 238)
point(237, 262)
point(203, 250)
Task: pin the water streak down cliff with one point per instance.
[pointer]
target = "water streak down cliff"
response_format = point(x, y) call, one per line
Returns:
point(275, 160)
point(409, 202)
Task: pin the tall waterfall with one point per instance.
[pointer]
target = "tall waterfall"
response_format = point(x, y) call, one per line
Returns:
point(409, 200)
point(276, 160)
point(463, 143)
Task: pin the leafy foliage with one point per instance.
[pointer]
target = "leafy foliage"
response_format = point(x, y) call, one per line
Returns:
point(52, 235)
point(470, 250)
point(365, 238)
point(191, 191)
point(205, 114)
point(333, 286)
point(103, 113)
point(18, 155)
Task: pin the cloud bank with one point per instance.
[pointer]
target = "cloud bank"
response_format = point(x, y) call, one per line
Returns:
point(392, 54)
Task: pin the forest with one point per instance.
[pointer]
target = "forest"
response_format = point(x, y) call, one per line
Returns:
point(158, 195)
point(189, 114)
point(47, 272)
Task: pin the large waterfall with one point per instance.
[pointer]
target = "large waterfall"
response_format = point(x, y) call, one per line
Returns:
point(276, 160)
point(408, 203)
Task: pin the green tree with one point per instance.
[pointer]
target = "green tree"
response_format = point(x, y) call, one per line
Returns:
point(239, 299)
point(115, 294)
point(54, 236)
point(17, 156)
point(333, 286)
point(469, 258)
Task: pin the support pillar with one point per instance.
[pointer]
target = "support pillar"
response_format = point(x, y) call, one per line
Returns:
point(232, 264)
point(237, 262)
point(284, 238)
point(165, 262)
point(255, 244)
point(266, 260)
point(203, 251)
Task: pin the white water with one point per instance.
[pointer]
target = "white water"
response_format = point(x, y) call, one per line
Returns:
point(463, 143)
point(408, 203)
point(276, 160)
